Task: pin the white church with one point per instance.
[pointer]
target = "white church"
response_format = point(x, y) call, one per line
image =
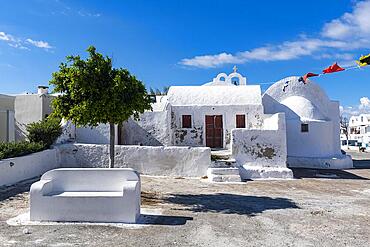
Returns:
point(291, 125)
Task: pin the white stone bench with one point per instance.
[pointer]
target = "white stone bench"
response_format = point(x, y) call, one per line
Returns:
point(86, 195)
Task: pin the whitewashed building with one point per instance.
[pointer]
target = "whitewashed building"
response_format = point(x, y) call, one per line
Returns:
point(291, 125)
point(312, 123)
point(294, 127)
point(199, 115)
point(359, 130)
point(7, 123)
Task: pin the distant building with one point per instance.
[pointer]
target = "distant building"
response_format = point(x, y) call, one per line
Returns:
point(359, 131)
point(16, 111)
point(7, 125)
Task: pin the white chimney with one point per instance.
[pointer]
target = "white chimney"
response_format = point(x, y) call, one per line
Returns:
point(42, 90)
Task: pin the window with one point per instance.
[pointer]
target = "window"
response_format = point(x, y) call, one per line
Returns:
point(186, 121)
point(240, 121)
point(304, 127)
point(362, 119)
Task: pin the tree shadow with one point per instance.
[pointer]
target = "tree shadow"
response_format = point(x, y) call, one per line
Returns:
point(324, 173)
point(230, 203)
point(137, 135)
point(165, 220)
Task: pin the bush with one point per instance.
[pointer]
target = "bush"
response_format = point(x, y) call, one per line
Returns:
point(15, 149)
point(45, 131)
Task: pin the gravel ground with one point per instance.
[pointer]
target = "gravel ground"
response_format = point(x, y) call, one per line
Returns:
point(319, 208)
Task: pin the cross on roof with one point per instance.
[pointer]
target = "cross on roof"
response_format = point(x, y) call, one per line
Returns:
point(235, 68)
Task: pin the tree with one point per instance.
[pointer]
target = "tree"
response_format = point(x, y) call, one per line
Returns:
point(344, 124)
point(165, 90)
point(93, 92)
point(45, 131)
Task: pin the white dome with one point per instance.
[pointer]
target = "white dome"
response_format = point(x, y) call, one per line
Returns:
point(315, 100)
point(303, 108)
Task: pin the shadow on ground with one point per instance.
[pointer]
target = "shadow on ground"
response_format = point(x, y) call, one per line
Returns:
point(7, 192)
point(230, 203)
point(165, 220)
point(324, 173)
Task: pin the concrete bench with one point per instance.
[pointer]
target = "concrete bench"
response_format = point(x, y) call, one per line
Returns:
point(86, 195)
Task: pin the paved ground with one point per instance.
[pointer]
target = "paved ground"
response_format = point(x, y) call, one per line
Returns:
point(317, 209)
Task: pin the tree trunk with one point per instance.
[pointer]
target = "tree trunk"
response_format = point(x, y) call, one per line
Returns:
point(111, 146)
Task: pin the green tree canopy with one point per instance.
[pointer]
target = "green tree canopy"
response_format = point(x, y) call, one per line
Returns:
point(93, 92)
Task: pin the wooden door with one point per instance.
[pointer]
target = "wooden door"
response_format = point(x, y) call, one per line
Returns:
point(214, 131)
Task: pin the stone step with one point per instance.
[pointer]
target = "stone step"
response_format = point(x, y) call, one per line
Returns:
point(223, 163)
point(223, 171)
point(256, 172)
point(227, 174)
point(221, 155)
point(224, 178)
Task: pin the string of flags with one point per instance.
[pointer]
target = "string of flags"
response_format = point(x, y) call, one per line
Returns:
point(362, 61)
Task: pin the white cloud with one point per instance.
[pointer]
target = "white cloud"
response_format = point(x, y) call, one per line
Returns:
point(285, 51)
point(340, 56)
point(12, 41)
point(210, 60)
point(364, 103)
point(350, 25)
point(19, 45)
point(350, 31)
point(85, 13)
point(39, 44)
point(363, 107)
point(6, 37)
point(23, 44)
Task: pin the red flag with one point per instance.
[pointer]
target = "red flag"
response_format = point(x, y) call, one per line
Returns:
point(333, 68)
point(306, 76)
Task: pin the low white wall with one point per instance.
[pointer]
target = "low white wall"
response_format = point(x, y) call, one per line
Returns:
point(96, 135)
point(17, 169)
point(336, 162)
point(259, 148)
point(149, 160)
point(264, 148)
point(151, 130)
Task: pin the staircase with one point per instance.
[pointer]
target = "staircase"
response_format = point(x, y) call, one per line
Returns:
point(223, 167)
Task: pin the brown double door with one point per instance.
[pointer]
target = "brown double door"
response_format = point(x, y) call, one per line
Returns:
point(214, 131)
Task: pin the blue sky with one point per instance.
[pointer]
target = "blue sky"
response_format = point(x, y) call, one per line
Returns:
point(189, 42)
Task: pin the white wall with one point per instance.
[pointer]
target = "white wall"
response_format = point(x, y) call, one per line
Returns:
point(14, 170)
point(263, 148)
point(149, 160)
point(30, 108)
point(152, 129)
point(317, 142)
point(95, 135)
point(11, 124)
point(196, 136)
point(7, 125)
point(306, 103)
